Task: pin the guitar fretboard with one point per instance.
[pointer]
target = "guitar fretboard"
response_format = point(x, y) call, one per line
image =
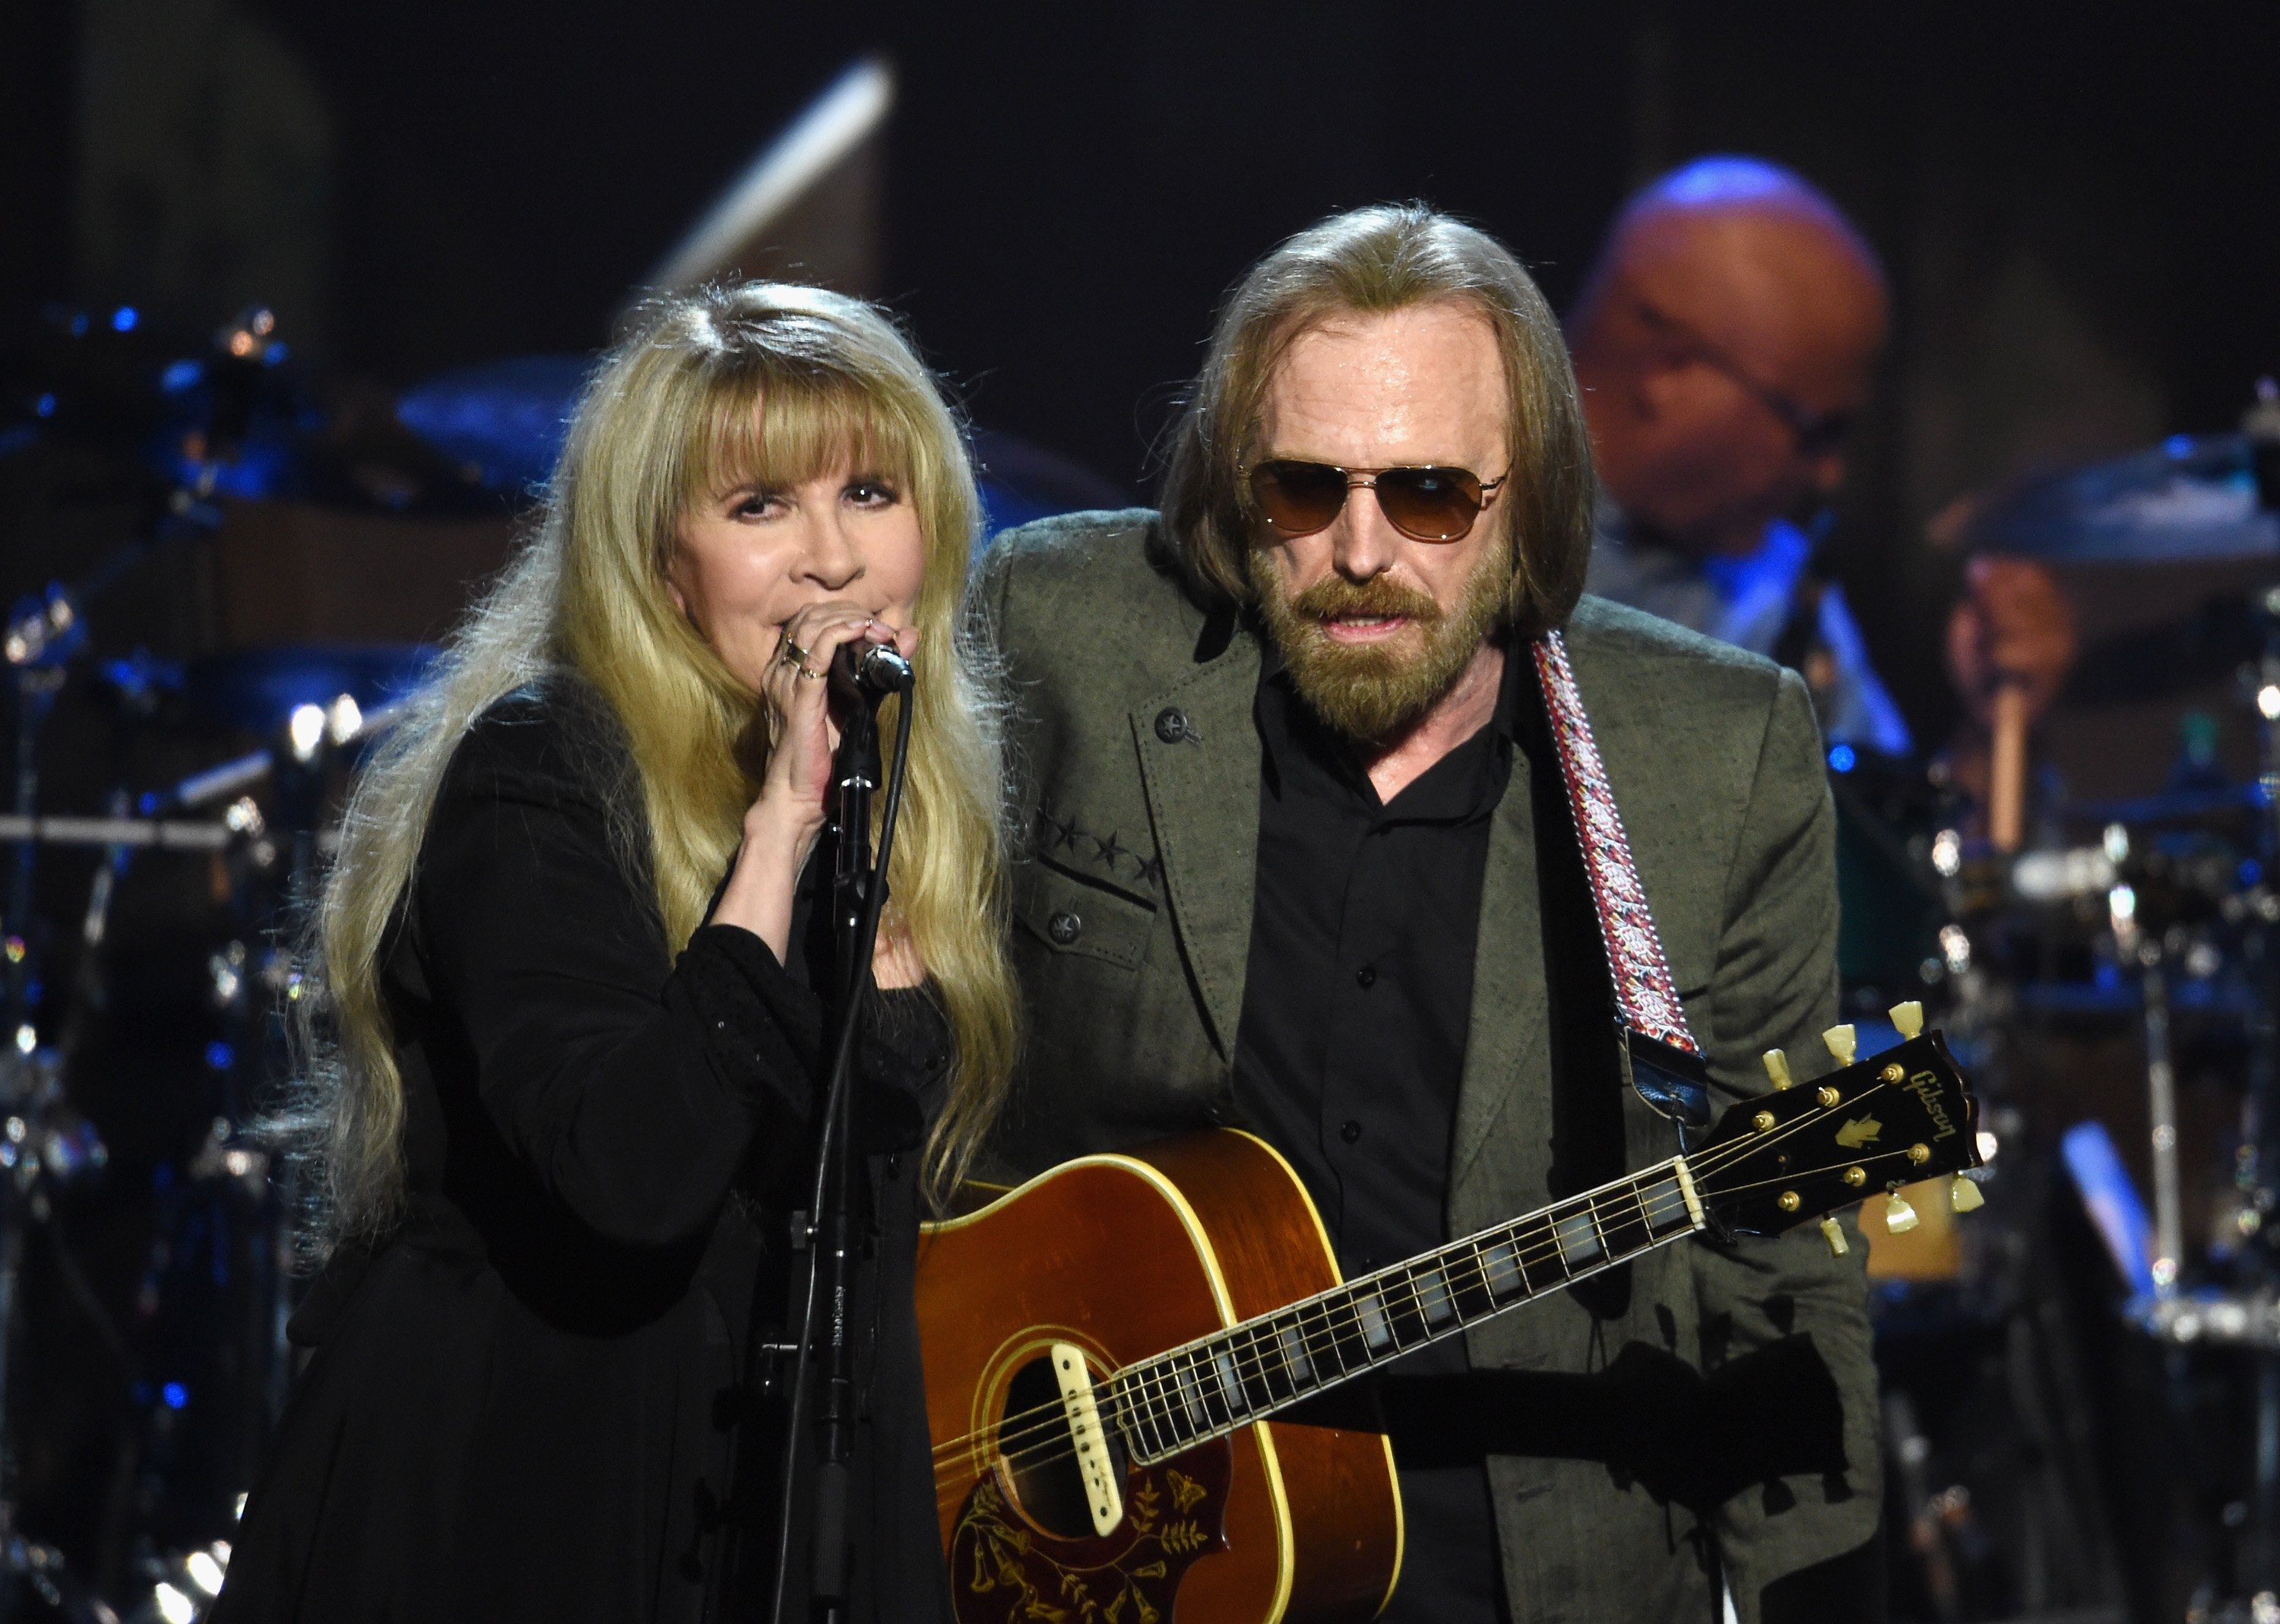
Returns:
point(1209, 1388)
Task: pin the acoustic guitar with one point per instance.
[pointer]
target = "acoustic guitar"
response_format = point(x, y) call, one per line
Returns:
point(1106, 1347)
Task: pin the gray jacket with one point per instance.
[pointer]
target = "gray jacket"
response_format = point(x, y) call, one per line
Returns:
point(1139, 764)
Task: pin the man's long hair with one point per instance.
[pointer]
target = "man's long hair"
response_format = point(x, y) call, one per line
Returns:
point(1372, 262)
point(765, 383)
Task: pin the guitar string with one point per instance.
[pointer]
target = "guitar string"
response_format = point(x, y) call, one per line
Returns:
point(1257, 1355)
point(1054, 1415)
point(1051, 1424)
point(1318, 1316)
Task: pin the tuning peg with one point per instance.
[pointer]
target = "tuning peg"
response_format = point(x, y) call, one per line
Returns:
point(1963, 1196)
point(1777, 1068)
point(1833, 1232)
point(1843, 1042)
point(1899, 1217)
point(1908, 1017)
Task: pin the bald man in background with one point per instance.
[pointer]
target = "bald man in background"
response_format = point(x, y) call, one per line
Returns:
point(1726, 339)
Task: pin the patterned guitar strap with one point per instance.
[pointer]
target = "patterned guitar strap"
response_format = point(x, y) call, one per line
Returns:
point(1660, 1058)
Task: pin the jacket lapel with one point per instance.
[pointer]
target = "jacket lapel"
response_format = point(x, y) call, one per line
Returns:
point(1198, 750)
point(1506, 1039)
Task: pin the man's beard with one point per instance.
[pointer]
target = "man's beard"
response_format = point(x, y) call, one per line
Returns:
point(1375, 691)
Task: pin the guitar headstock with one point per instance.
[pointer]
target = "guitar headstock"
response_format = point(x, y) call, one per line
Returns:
point(1785, 1157)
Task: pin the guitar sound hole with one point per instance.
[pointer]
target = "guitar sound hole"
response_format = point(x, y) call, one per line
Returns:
point(1041, 1456)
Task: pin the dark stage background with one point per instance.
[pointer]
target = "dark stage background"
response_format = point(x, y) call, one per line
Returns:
point(2079, 207)
point(2078, 204)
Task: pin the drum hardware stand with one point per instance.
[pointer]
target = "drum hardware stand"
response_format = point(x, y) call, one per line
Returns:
point(37, 1148)
point(2248, 1317)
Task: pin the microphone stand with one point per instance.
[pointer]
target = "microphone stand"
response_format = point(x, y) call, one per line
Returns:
point(856, 771)
point(857, 895)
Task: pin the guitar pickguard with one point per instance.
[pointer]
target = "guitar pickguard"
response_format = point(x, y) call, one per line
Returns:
point(1005, 1570)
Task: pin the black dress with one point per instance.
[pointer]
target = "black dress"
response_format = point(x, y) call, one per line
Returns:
point(545, 1394)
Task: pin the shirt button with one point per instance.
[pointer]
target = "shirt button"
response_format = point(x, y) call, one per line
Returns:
point(1366, 977)
point(1065, 928)
point(1351, 1132)
point(1172, 726)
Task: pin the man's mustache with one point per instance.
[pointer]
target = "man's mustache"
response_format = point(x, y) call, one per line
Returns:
point(1335, 597)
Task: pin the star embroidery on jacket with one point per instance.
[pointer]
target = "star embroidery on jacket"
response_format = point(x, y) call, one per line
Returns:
point(1152, 869)
point(1110, 849)
point(1052, 832)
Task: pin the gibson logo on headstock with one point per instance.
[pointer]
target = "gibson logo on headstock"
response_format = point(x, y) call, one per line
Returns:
point(1925, 1087)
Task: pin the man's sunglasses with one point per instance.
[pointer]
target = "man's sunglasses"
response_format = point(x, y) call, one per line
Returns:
point(1816, 434)
point(1425, 505)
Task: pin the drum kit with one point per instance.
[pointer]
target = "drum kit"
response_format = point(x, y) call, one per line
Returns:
point(2081, 1405)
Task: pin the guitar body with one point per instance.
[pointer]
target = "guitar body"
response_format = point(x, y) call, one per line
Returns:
point(1126, 1257)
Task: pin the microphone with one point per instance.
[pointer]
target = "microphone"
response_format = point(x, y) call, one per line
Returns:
point(869, 672)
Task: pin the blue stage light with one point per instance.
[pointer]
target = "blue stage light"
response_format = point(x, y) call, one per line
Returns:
point(1841, 759)
point(219, 1057)
point(123, 318)
point(175, 1395)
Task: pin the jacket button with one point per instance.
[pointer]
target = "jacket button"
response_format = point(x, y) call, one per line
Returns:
point(1351, 1132)
point(1366, 977)
point(1221, 1109)
point(1172, 726)
point(1065, 928)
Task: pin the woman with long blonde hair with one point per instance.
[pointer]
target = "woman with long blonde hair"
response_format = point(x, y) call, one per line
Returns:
point(561, 1080)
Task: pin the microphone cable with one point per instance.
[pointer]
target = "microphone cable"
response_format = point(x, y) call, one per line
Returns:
point(835, 1111)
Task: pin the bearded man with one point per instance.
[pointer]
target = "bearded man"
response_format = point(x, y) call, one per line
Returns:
point(1301, 861)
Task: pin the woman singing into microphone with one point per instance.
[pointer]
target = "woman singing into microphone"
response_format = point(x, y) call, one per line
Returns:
point(573, 954)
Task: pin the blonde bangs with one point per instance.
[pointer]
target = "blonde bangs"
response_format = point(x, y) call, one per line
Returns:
point(771, 428)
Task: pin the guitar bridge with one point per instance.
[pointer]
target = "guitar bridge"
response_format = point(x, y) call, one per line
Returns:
point(1095, 1465)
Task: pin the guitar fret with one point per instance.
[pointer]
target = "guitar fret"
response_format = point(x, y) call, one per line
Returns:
point(1407, 1310)
point(1577, 1233)
point(1621, 1231)
point(1468, 1279)
point(1150, 1419)
point(1323, 1354)
point(1435, 1300)
point(1248, 1372)
point(1500, 1268)
point(1540, 1261)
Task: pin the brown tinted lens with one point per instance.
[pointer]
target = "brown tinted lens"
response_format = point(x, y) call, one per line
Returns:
point(1431, 504)
point(1298, 498)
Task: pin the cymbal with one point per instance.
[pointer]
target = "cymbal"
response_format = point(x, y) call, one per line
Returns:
point(2193, 497)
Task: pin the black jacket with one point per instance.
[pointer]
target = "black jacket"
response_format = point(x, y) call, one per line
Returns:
point(543, 1393)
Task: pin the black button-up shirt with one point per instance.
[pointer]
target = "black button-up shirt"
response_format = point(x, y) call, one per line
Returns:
point(1357, 1001)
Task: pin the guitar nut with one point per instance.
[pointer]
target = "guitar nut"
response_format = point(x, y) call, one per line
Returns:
point(1919, 1154)
point(1892, 1073)
point(1828, 1096)
point(1763, 1121)
point(1789, 1201)
point(1856, 1177)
